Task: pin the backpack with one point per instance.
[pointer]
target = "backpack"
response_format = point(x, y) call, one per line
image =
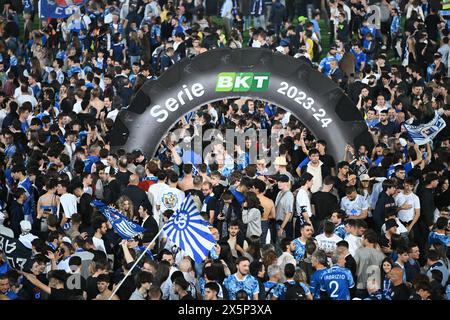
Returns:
point(294, 291)
point(295, 213)
point(269, 292)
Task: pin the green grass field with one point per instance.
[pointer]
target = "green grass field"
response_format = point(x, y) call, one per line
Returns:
point(324, 28)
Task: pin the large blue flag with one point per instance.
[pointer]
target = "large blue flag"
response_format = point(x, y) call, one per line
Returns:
point(189, 231)
point(124, 227)
point(425, 132)
point(59, 8)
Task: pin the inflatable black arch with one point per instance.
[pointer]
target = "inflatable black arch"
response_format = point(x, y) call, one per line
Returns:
point(316, 100)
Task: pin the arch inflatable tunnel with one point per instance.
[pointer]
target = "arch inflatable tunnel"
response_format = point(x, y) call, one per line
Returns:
point(290, 83)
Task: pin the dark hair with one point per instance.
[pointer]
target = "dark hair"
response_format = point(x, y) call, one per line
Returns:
point(75, 261)
point(329, 180)
point(212, 286)
point(104, 278)
point(289, 270)
point(305, 177)
point(371, 236)
point(410, 180)
point(173, 177)
point(313, 151)
point(241, 295)
point(441, 223)
point(388, 183)
point(350, 189)
point(255, 267)
point(402, 250)
point(143, 277)
point(310, 246)
point(98, 222)
point(240, 259)
point(388, 260)
point(253, 202)
point(430, 178)
point(433, 255)
point(234, 223)
point(342, 243)
point(19, 168)
point(53, 235)
point(423, 285)
point(285, 242)
point(342, 164)
point(187, 168)
point(59, 275)
point(259, 185)
point(328, 227)
point(254, 247)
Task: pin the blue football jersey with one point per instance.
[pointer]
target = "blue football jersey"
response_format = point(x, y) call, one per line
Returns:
point(300, 249)
point(438, 238)
point(337, 281)
point(315, 283)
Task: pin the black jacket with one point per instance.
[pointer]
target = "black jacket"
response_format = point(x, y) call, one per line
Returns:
point(151, 229)
point(85, 209)
point(137, 196)
point(111, 192)
point(427, 206)
point(16, 215)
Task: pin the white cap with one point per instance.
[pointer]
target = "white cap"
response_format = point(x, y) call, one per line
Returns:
point(25, 225)
point(66, 239)
point(364, 177)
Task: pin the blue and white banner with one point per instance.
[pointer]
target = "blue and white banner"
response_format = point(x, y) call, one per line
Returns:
point(425, 132)
point(124, 227)
point(189, 231)
point(59, 8)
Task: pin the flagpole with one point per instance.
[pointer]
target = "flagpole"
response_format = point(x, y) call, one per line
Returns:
point(135, 263)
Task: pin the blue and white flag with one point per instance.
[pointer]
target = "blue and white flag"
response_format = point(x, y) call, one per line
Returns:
point(59, 8)
point(188, 116)
point(425, 132)
point(189, 231)
point(124, 227)
point(194, 170)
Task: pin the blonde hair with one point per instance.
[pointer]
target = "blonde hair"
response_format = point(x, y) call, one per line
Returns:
point(121, 207)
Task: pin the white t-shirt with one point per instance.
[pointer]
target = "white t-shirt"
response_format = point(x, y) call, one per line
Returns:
point(77, 107)
point(152, 194)
point(99, 244)
point(169, 199)
point(327, 244)
point(27, 239)
point(27, 98)
point(317, 176)
point(18, 92)
point(64, 265)
point(354, 243)
point(69, 204)
point(355, 207)
point(303, 201)
point(408, 214)
point(113, 114)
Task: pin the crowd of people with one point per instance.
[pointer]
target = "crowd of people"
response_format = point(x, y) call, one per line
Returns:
point(372, 226)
